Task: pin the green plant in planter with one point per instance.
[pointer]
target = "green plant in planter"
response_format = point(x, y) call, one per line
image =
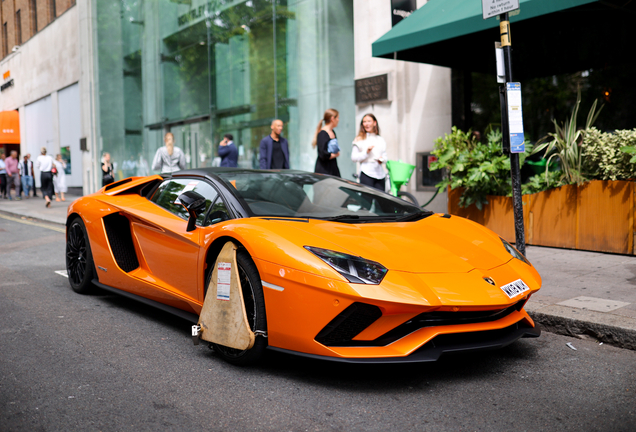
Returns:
point(630, 150)
point(606, 155)
point(541, 182)
point(565, 143)
point(480, 168)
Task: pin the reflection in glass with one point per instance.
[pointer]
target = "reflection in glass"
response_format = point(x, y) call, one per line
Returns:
point(202, 68)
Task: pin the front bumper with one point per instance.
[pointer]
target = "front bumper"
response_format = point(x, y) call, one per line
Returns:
point(443, 344)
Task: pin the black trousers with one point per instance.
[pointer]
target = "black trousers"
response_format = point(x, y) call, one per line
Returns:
point(373, 182)
point(3, 184)
point(46, 178)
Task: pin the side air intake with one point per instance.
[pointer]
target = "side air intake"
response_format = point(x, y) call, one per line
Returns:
point(348, 324)
point(121, 242)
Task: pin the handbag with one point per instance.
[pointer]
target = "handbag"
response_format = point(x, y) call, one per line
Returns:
point(54, 170)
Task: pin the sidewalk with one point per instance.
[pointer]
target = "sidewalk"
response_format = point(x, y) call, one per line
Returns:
point(583, 294)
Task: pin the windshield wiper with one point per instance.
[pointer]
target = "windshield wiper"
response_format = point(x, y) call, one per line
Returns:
point(413, 217)
point(343, 217)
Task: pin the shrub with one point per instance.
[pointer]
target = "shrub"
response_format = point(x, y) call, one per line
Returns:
point(607, 155)
point(479, 168)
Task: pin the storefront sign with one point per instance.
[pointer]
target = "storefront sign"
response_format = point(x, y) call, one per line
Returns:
point(6, 85)
point(400, 9)
point(372, 89)
point(491, 8)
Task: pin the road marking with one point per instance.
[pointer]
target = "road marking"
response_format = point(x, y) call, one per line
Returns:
point(62, 273)
point(27, 222)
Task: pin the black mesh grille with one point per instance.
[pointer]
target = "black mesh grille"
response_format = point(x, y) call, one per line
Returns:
point(433, 319)
point(348, 324)
point(121, 242)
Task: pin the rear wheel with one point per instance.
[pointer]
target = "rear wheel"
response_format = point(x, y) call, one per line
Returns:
point(254, 307)
point(79, 260)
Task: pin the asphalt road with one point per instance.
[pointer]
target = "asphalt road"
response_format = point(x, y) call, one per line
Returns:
point(72, 362)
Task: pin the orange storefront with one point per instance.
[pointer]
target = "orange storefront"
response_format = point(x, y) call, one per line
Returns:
point(9, 131)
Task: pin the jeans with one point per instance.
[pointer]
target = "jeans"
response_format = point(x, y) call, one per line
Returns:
point(27, 184)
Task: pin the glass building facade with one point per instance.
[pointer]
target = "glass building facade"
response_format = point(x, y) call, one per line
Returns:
point(202, 69)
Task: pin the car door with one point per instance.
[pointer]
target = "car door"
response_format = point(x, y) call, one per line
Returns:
point(170, 253)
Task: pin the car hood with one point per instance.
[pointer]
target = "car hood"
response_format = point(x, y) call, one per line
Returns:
point(435, 244)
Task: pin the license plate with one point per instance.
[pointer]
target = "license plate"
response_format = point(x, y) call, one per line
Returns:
point(515, 288)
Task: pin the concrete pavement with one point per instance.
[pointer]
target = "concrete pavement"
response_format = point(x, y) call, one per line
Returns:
point(584, 294)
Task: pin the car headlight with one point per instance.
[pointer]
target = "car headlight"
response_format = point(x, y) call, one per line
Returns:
point(354, 269)
point(514, 252)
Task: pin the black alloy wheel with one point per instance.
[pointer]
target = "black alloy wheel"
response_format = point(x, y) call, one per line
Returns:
point(254, 307)
point(79, 260)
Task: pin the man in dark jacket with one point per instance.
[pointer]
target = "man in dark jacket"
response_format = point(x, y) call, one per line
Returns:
point(274, 150)
point(228, 152)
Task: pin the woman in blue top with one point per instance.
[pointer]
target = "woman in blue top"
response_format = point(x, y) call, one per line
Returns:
point(326, 142)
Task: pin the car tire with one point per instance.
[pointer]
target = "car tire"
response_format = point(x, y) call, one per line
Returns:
point(79, 259)
point(255, 308)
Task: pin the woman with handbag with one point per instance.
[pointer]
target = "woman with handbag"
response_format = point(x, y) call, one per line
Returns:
point(326, 142)
point(59, 178)
point(45, 164)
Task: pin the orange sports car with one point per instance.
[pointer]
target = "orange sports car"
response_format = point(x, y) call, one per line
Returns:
point(327, 268)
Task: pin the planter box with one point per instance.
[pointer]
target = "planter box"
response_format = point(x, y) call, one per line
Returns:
point(596, 216)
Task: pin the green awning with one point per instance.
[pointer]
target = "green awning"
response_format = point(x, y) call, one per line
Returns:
point(567, 33)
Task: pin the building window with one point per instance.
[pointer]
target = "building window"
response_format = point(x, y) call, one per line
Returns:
point(5, 42)
point(18, 28)
point(34, 17)
point(52, 9)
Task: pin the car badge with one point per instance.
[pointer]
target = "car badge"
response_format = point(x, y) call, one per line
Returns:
point(490, 281)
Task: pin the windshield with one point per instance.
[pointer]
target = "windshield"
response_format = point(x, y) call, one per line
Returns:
point(307, 195)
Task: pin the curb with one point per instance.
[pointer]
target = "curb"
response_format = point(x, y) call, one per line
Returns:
point(22, 217)
point(612, 329)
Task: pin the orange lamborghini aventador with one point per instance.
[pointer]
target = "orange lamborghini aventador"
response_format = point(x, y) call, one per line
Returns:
point(328, 268)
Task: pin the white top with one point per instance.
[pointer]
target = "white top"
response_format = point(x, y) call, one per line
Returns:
point(59, 180)
point(166, 163)
point(44, 163)
point(370, 163)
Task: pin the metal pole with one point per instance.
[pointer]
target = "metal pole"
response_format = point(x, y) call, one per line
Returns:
point(275, 71)
point(515, 171)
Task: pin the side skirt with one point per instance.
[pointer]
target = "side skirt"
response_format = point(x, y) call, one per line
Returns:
point(194, 319)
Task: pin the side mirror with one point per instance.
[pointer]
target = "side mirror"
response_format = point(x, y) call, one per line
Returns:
point(193, 203)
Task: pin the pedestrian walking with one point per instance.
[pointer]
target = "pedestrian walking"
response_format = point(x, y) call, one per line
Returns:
point(59, 179)
point(169, 158)
point(45, 164)
point(228, 152)
point(3, 177)
point(326, 142)
point(26, 175)
point(274, 149)
point(13, 174)
point(369, 149)
point(107, 170)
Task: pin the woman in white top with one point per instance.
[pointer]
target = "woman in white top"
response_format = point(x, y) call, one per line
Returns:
point(59, 179)
point(44, 163)
point(369, 148)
